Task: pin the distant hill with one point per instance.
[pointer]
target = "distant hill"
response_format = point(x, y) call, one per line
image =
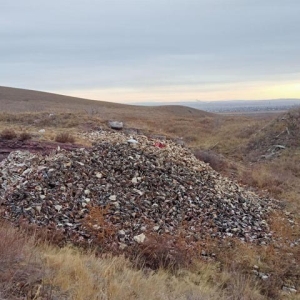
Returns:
point(235, 106)
point(21, 100)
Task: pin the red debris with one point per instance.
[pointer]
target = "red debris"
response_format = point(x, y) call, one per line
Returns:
point(159, 145)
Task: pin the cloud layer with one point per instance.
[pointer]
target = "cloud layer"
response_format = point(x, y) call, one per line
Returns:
point(144, 47)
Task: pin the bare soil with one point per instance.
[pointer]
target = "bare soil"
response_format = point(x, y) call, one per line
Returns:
point(44, 147)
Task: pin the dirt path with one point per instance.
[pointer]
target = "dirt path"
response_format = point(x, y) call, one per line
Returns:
point(7, 146)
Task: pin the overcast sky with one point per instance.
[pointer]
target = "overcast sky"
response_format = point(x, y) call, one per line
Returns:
point(152, 50)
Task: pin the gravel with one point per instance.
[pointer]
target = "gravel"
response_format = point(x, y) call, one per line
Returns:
point(135, 189)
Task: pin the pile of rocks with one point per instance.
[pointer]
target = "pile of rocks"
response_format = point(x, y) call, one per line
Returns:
point(143, 186)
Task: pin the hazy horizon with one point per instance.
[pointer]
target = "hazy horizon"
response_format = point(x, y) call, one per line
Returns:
point(149, 50)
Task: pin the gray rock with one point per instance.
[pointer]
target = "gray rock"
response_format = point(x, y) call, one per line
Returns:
point(115, 125)
point(113, 197)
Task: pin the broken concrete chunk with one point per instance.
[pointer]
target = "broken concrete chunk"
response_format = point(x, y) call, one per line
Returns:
point(140, 238)
point(115, 125)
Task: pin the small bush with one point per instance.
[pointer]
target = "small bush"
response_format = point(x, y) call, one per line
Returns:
point(24, 136)
point(211, 158)
point(162, 252)
point(8, 134)
point(64, 137)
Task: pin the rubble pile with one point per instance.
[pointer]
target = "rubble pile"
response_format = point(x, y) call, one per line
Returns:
point(144, 186)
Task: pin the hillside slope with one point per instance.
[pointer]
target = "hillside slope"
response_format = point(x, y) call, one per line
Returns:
point(20, 100)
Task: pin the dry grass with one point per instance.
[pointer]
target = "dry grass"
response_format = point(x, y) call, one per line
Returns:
point(280, 177)
point(65, 137)
point(21, 268)
point(31, 271)
point(84, 276)
point(281, 265)
point(49, 272)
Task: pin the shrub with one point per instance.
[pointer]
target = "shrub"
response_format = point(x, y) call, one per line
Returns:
point(64, 137)
point(8, 134)
point(24, 136)
point(213, 159)
point(162, 252)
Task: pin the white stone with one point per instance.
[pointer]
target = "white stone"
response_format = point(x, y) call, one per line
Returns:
point(58, 207)
point(98, 175)
point(134, 180)
point(139, 238)
point(132, 141)
point(121, 232)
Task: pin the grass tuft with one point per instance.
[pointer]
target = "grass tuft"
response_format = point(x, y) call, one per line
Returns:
point(65, 137)
point(8, 134)
point(24, 136)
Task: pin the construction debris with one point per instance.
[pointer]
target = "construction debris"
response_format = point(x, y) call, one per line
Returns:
point(134, 189)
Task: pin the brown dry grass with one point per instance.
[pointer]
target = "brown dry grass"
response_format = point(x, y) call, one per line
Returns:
point(82, 275)
point(21, 268)
point(65, 137)
point(24, 136)
point(85, 276)
point(8, 134)
point(41, 271)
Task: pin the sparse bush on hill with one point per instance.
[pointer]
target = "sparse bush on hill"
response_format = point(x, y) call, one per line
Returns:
point(213, 159)
point(163, 252)
point(65, 137)
point(24, 136)
point(8, 134)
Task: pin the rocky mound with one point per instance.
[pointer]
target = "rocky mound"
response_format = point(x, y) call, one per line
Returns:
point(128, 189)
point(280, 134)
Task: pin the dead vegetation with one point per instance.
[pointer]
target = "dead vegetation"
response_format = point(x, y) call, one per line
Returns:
point(24, 136)
point(229, 269)
point(216, 161)
point(8, 134)
point(65, 137)
point(21, 268)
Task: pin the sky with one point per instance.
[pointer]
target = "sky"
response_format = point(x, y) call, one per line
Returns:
point(152, 50)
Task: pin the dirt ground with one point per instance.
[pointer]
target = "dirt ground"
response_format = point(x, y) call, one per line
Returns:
point(44, 147)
